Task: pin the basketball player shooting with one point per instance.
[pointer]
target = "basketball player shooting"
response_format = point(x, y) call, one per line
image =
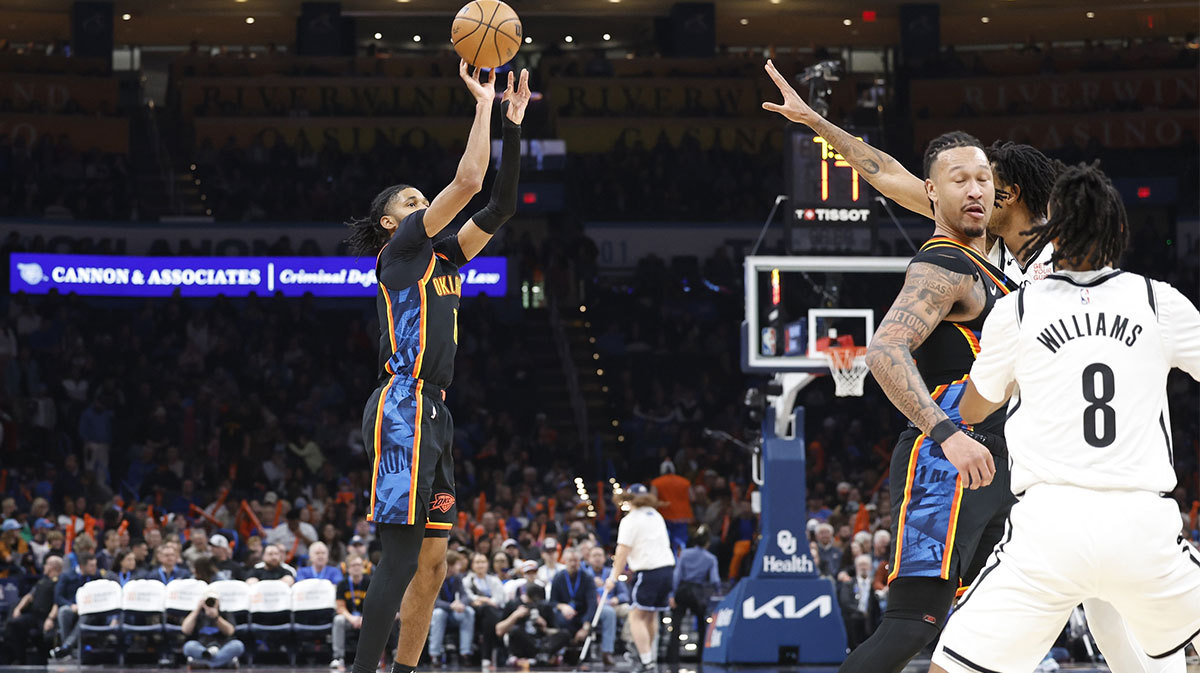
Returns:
point(1089, 350)
point(1023, 179)
point(406, 426)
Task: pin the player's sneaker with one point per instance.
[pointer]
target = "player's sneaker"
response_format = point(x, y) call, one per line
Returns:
point(337, 665)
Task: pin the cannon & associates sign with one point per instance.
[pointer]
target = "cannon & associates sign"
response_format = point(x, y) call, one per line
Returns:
point(120, 276)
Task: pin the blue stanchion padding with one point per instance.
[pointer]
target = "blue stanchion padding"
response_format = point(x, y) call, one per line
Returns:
point(783, 612)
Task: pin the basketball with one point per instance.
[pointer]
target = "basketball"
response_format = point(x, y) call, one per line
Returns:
point(486, 33)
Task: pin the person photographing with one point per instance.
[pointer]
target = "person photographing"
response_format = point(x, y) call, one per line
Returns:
point(211, 631)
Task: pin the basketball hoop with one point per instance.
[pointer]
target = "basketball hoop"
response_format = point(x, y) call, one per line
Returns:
point(848, 364)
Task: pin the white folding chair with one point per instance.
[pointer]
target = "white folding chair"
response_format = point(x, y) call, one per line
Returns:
point(183, 595)
point(270, 612)
point(99, 604)
point(314, 604)
point(235, 599)
point(142, 604)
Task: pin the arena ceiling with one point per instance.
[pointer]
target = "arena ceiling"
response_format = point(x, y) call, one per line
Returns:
point(739, 22)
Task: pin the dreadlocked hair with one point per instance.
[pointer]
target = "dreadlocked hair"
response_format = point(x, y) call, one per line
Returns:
point(1023, 165)
point(368, 236)
point(948, 141)
point(1087, 222)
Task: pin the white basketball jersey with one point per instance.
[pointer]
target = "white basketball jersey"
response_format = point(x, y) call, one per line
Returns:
point(1090, 352)
point(1038, 267)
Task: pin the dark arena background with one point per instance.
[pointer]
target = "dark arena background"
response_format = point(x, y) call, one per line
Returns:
point(187, 343)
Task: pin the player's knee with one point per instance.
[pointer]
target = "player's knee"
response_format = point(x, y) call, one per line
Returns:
point(432, 573)
point(912, 635)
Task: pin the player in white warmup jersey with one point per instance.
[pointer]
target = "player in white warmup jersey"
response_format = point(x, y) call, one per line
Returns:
point(1085, 354)
point(1023, 179)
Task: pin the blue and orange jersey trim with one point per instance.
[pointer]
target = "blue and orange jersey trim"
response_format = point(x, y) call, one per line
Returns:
point(908, 485)
point(980, 260)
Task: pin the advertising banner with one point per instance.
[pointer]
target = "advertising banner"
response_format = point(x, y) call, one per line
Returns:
point(602, 135)
point(1116, 130)
point(115, 276)
point(994, 96)
point(325, 97)
point(351, 134)
point(107, 134)
point(674, 97)
point(59, 93)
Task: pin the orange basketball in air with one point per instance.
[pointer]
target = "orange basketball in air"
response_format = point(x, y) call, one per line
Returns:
point(486, 33)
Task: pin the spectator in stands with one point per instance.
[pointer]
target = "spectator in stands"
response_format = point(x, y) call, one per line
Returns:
point(830, 553)
point(167, 568)
point(83, 544)
point(881, 545)
point(574, 597)
point(319, 568)
point(485, 594)
point(112, 545)
point(12, 548)
point(293, 536)
point(211, 631)
point(357, 547)
point(140, 549)
point(860, 602)
point(351, 592)
point(68, 610)
point(696, 580)
point(222, 556)
point(527, 627)
point(676, 492)
point(550, 562)
point(33, 618)
point(452, 605)
point(124, 568)
point(197, 544)
point(40, 545)
point(502, 567)
point(96, 431)
point(272, 567)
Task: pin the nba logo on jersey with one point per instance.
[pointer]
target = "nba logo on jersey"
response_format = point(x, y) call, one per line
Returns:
point(1085, 297)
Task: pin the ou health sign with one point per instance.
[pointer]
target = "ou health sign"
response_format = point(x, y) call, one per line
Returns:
point(110, 276)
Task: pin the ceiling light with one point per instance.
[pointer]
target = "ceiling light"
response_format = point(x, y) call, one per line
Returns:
point(984, 19)
point(607, 37)
point(403, 2)
point(846, 22)
point(528, 40)
point(570, 39)
point(416, 38)
point(776, 2)
point(239, 1)
point(249, 19)
point(126, 17)
point(1091, 15)
point(744, 21)
point(378, 36)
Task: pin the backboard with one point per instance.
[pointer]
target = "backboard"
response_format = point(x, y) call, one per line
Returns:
point(796, 306)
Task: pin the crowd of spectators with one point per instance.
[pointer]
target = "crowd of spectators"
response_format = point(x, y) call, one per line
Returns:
point(54, 179)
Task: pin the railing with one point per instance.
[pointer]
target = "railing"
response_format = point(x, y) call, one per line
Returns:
point(570, 371)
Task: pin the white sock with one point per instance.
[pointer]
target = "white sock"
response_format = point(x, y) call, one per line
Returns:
point(646, 657)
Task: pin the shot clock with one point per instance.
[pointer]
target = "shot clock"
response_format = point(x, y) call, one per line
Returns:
point(830, 204)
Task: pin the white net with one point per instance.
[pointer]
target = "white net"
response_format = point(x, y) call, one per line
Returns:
point(848, 365)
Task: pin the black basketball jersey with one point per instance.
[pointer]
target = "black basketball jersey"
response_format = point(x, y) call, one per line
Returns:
point(945, 358)
point(417, 303)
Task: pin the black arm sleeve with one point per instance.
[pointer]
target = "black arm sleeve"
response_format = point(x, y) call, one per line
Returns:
point(503, 203)
point(452, 249)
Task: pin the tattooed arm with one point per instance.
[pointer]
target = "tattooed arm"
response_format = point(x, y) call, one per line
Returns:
point(878, 168)
point(930, 294)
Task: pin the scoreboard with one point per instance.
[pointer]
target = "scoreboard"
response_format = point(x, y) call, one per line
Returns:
point(831, 204)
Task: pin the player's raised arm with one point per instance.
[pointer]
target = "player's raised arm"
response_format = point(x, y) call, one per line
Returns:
point(878, 168)
point(929, 295)
point(483, 225)
point(472, 168)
